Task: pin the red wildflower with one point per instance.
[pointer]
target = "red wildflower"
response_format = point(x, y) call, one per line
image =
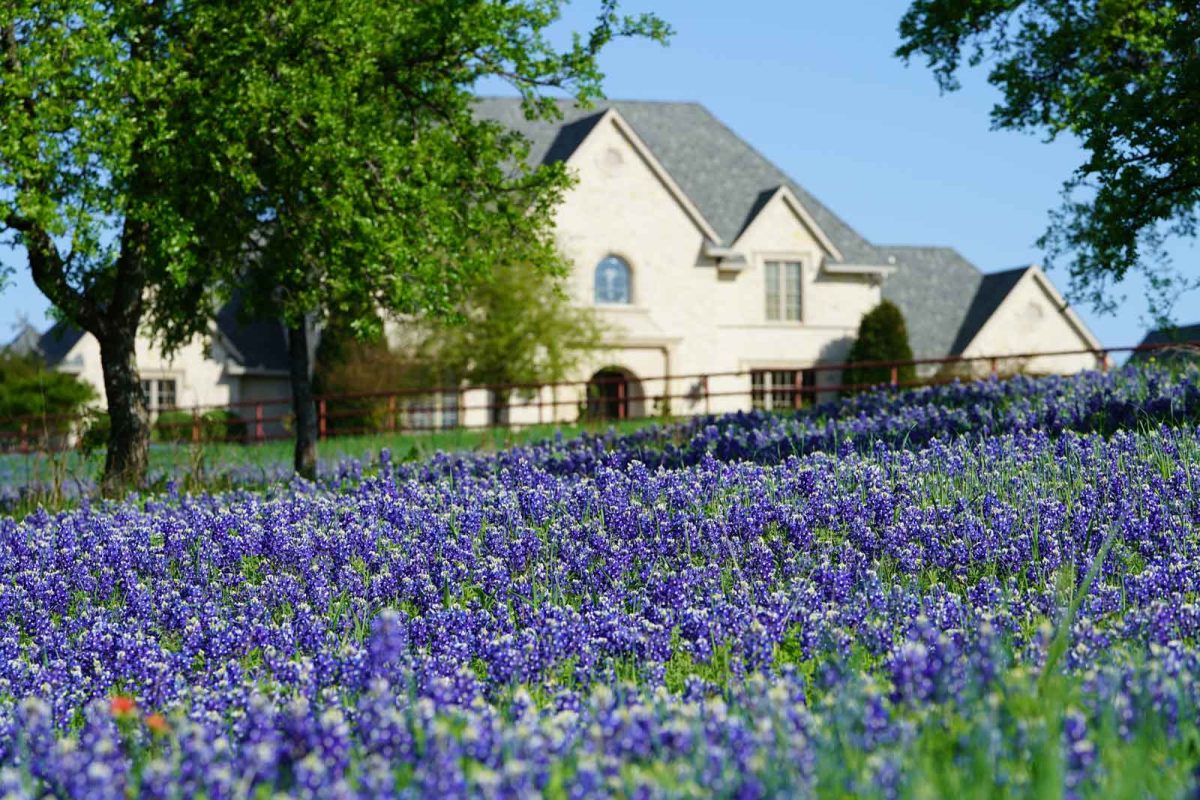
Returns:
point(157, 723)
point(122, 705)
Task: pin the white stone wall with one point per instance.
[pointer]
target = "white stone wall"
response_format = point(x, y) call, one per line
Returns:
point(708, 320)
point(1031, 320)
point(199, 379)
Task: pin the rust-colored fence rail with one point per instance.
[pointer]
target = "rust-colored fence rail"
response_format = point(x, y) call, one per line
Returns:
point(609, 397)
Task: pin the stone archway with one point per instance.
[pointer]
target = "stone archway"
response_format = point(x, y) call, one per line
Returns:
point(614, 393)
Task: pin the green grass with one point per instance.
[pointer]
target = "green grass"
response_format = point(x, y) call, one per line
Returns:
point(199, 468)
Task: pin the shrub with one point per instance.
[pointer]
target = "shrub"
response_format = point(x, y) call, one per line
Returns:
point(217, 425)
point(882, 336)
point(46, 402)
point(347, 365)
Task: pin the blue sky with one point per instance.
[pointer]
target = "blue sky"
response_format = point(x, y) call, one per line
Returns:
point(815, 88)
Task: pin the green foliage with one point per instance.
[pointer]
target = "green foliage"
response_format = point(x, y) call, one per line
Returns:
point(29, 390)
point(517, 325)
point(118, 180)
point(96, 429)
point(150, 149)
point(215, 425)
point(882, 336)
point(377, 185)
point(1119, 76)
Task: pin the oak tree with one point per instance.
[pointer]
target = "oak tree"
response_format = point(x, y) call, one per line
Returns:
point(1123, 77)
point(380, 190)
point(108, 181)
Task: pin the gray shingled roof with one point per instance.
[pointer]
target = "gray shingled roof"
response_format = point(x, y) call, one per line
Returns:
point(52, 346)
point(56, 342)
point(945, 299)
point(254, 344)
point(25, 342)
point(1180, 334)
point(934, 287)
point(718, 170)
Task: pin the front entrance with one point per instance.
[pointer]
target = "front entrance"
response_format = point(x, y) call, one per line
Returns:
point(613, 394)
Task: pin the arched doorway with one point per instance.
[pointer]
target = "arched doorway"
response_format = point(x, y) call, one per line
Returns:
point(614, 393)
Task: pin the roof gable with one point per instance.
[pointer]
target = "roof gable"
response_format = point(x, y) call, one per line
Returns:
point(613, 117)
point(1180, 333)
point(58, 342)
point(714, 167)
point(789, 199)
point(254, 344)
point(993, 289)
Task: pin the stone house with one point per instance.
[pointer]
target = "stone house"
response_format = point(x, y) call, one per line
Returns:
point(705, 259)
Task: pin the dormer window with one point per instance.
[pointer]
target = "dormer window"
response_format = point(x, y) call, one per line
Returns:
point(783, 290)
point(612, 282)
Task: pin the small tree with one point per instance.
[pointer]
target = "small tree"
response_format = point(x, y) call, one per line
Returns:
point(516, 326)
point(882, 336)
point(118, 178)
point(347, 364)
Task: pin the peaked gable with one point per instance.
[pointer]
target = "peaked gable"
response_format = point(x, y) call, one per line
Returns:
point(715, 168)
point(253, 344)
point(784, 195)
point(58, 342)
point(613, 117)
point(993, 288)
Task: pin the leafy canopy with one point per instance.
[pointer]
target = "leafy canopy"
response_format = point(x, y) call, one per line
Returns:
point(1121, 75)
point(378, 187)
point(108, 174)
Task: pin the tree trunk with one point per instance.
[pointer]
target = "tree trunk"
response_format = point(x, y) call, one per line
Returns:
point(129, 420)
point(305, 459)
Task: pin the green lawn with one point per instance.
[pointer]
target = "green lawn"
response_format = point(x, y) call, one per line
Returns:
point(198, 467)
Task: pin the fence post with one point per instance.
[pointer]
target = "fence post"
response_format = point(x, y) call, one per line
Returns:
point(541, 390)
point(391, 426)
point(258, 422)
point(621, 399)
point(321, 418)
point(195, 425)
point(895, 375)
point(797, 400)
point(707, 404)
point(995, 366)
point(24, 448)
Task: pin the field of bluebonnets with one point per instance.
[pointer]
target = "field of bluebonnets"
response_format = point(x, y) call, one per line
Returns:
point(985, 589)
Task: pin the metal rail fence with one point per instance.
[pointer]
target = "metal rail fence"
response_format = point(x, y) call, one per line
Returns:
point(613, 396)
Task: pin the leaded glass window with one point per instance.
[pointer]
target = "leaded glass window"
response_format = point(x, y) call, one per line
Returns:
point(612, 282)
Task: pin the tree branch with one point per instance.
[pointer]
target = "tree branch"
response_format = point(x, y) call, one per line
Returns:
point(50, 274)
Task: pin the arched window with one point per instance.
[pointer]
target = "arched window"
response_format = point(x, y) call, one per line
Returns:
point(612, 281)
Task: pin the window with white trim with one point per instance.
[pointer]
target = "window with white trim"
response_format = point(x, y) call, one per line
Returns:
point(613, 279)
point(781, 389)
point(159, 393)
point(782, 280)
